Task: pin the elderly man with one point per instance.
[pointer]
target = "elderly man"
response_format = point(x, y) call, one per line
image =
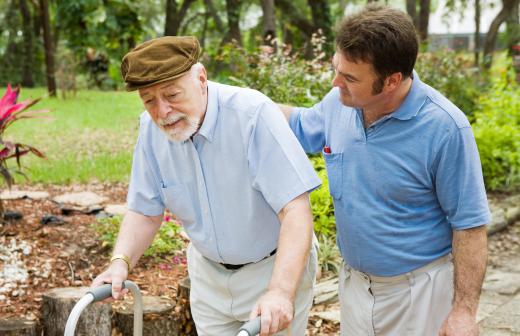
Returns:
point(405, 176)
point(224, 161)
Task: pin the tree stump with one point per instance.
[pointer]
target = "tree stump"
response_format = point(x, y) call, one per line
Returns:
point(17, 327)
point(157, 320)
point(57, 305)
point(182, 309)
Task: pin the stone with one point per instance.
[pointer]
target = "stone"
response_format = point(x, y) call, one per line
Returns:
point(19, 194)
point(86, 202)
point(11, 216)
point(506, 318)
point(52, 220)
point(330, 315)
point(116, 209)
point(502, 282)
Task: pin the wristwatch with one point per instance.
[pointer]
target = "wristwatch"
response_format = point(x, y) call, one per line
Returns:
point(122, 257)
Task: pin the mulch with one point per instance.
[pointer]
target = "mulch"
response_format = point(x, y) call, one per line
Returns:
point(70, 254)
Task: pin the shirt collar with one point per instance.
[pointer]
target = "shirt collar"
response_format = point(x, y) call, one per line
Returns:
point(207, 129)
point(414, 100)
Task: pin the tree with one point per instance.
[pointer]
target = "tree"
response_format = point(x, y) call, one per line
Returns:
point(411, 9)
point(49, 49)
point(233, 18)
point(269, 21)
point(27, 65)
point(175, 16)
point(424, 18)
point(477, 32)
point(508, 7)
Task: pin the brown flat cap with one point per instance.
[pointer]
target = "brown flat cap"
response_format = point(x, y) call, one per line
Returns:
point(159, 60)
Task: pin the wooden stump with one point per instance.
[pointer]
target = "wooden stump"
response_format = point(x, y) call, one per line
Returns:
point(157, 320)
point(17, 327)
point(57, 305)
point(182, 309)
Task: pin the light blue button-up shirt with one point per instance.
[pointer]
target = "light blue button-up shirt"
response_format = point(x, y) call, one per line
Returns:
point(229, 182)
point(401, 185)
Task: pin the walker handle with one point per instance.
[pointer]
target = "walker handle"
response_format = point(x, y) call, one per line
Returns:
point(250, 328)
point(103, 292)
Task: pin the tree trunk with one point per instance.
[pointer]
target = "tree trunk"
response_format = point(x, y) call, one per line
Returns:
point(491, 36)
point(157, 320)
point(49, 49)
point(174, 16)
point(17, 327)
point(295, 17)
point(182, 309)
point(214, 14)
point(269, 22)
point(411, 9)
point(513, 29)
point(424, 18)
point(233, 17)
point(27, 64)
point(321, 18)
point(477, 33)
point(57, 305)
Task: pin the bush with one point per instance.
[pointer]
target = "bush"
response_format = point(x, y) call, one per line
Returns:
point(167, 241)
point(497, 132)
point(284, 77)
point(454, 76)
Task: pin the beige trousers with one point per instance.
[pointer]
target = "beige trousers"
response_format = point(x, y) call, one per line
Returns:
point(412, 304)
point(221, 299)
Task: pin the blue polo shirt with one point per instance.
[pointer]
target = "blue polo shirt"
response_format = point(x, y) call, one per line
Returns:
point(401, 185)
point(229, 182)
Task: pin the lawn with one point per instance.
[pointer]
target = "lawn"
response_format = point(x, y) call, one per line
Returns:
point(86, 138)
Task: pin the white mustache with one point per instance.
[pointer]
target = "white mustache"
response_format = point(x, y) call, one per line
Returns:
point(171, 119)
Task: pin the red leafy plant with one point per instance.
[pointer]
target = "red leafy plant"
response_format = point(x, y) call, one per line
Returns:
point(11, 111)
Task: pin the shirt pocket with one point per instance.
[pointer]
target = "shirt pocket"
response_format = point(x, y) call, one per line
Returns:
point(177, 199)
point(334, 164)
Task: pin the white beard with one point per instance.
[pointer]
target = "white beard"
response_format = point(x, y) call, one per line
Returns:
point(177, 133)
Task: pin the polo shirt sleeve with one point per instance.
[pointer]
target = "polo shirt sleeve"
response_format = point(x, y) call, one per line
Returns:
point(308, 124)
point(144, 195)
point(459, 182)
point(279, 167)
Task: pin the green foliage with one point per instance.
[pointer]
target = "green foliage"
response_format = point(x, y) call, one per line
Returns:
point(321, 201)
point(167, 240)
point(282, 76)
point(497, 132)
point(101, 30)
point(329, 257)
point(453, 75)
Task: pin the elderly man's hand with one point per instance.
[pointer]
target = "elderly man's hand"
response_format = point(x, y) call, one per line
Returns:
point(276, 310)
point(115, 274)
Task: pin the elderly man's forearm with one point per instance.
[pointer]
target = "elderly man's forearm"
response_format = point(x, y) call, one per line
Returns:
point(293, 246)
point(136, 234)
point(470, 259)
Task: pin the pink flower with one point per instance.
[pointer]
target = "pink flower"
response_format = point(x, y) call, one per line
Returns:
point(167, 218)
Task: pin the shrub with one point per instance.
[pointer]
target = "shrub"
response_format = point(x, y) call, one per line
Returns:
point(497, 132)
point(167, 240)
point(453, 75)
point(284, 77)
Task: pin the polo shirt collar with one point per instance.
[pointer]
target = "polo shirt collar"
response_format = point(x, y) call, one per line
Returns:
point(414, 100)
point(207, 129)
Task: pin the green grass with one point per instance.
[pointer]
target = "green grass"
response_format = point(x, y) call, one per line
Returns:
point(86, 138)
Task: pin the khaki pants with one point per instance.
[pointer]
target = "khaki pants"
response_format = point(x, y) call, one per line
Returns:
point(412, 304)
point(221, 299)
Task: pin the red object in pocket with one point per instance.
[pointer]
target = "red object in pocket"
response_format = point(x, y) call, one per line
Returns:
point(326, 149)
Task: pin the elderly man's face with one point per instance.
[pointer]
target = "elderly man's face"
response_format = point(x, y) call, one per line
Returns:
point(177, 107)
